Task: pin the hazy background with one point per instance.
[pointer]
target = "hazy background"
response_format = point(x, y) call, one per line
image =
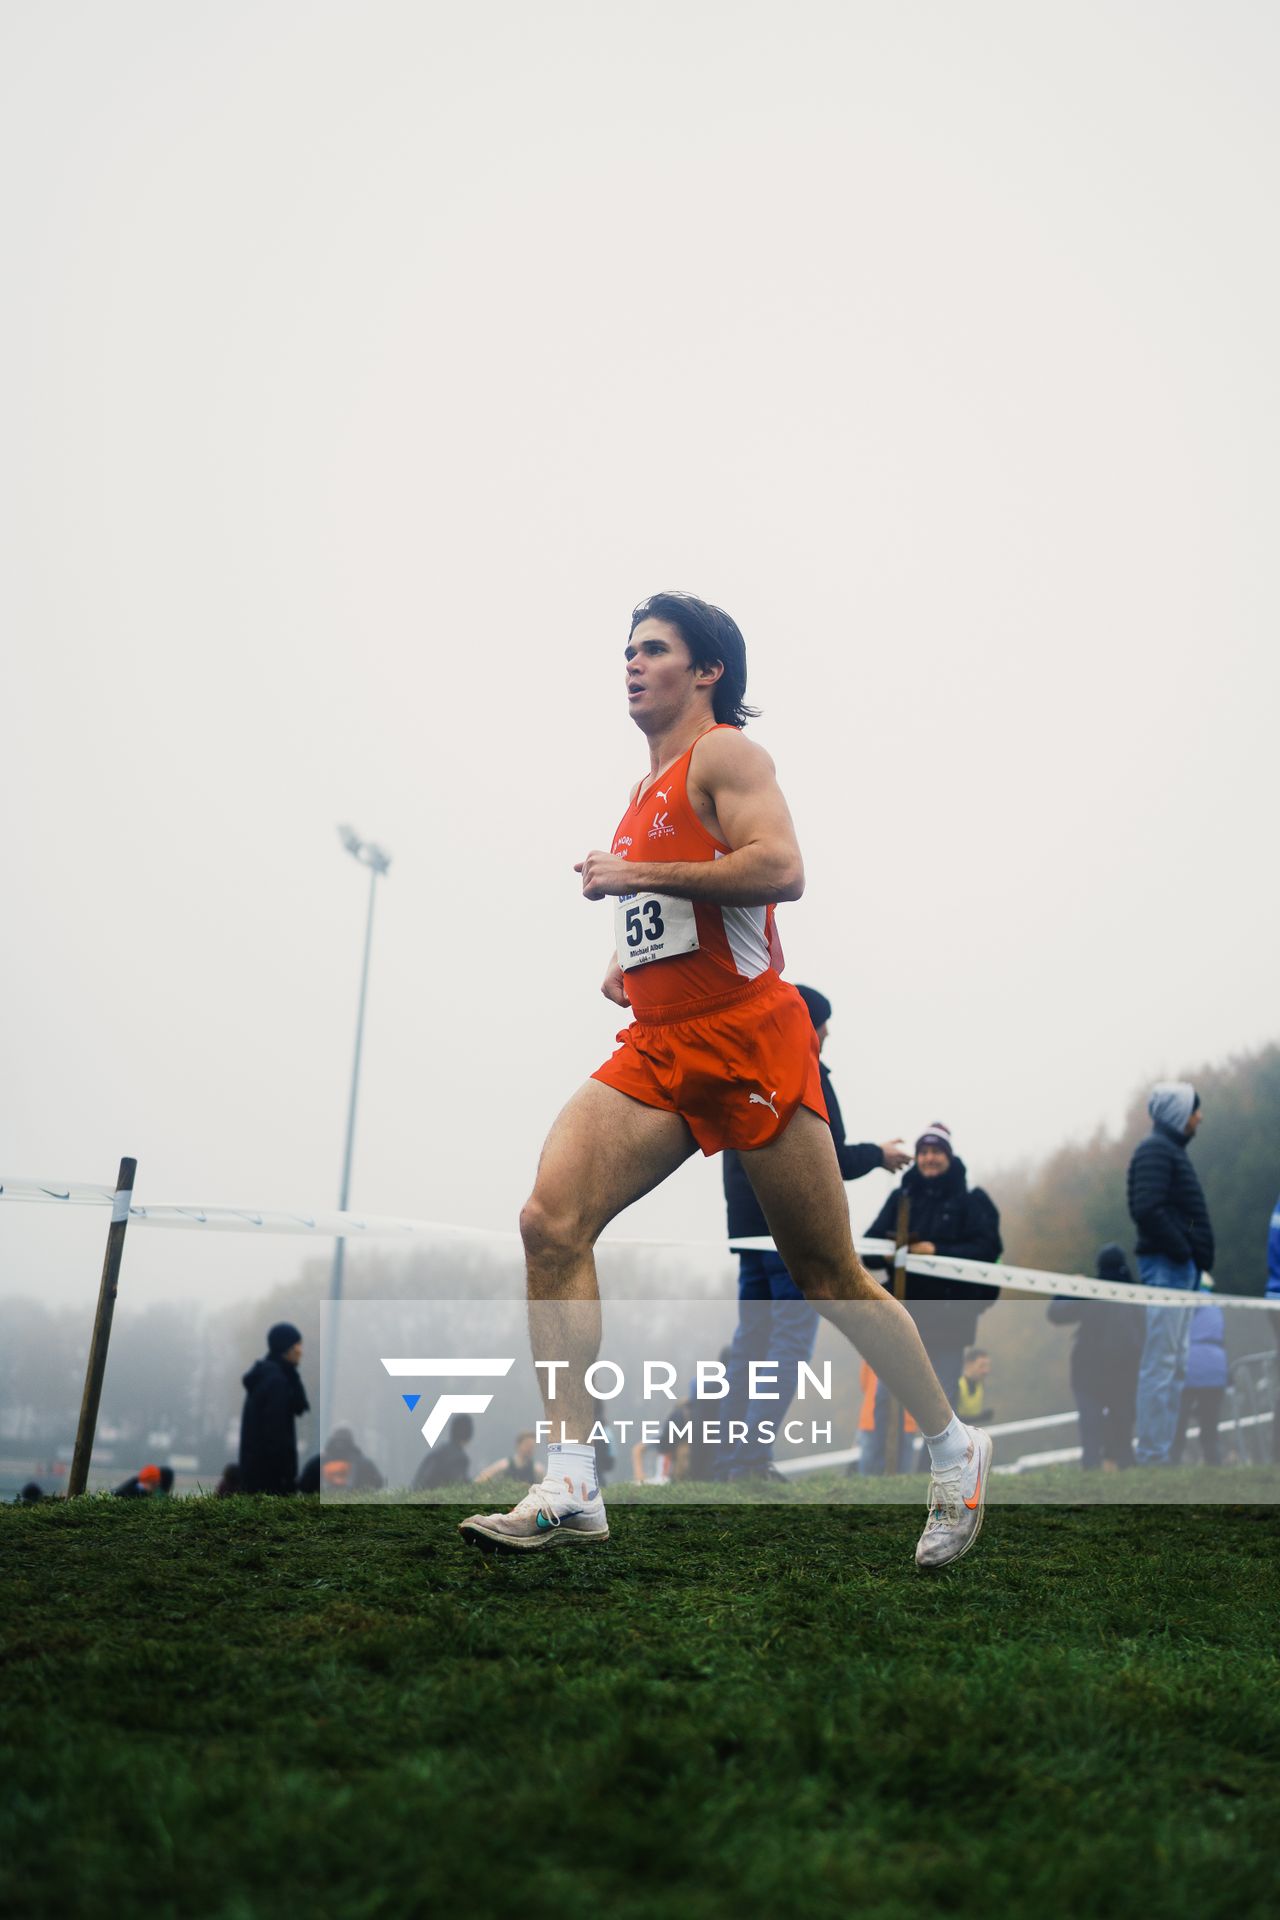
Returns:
point(362, 366)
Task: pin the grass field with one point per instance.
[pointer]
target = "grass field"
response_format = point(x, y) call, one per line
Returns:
point(242, 1708)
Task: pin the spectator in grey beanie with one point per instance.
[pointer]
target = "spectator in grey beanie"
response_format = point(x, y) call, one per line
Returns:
point(274, 1401)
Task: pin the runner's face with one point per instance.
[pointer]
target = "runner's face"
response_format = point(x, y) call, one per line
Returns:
point(661, 677)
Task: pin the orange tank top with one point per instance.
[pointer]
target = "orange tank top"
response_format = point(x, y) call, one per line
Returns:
point(683, 957)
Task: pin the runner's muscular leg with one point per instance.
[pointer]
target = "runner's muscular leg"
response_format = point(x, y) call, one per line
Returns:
point(797, 1182)
point(603, 1152)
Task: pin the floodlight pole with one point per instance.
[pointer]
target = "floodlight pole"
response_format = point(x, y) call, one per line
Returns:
point(78, 1478)
point(377, 862)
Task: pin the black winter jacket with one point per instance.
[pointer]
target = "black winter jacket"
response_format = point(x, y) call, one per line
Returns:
point(745, 1218)
point(1166, 1200)
point(274, 1399)
point(960, 1220)
point(1109, 1333)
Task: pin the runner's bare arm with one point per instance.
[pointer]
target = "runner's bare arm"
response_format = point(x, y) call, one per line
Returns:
point(736, 778)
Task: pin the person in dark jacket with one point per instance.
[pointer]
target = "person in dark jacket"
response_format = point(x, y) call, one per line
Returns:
point(1175, 1246)
point(274, 1402)
point(145, 1483)
point(784, 1335)
point(343, 1467)
point(449, 1465)
point(1104, 1365)
point(961, 1222)
point(1206, 1381)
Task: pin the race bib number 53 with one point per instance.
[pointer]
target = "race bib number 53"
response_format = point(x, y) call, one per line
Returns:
point(652, 926)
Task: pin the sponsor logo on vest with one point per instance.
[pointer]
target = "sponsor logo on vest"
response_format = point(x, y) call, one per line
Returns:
point(660, 829)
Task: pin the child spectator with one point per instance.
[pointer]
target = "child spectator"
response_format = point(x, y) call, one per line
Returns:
point(972, 1405)
point(1206, 1380)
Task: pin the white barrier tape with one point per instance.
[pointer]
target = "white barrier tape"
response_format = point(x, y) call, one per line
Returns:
point(1080, 1286)
point(332, 1226)
point(352, 1225)
point(979, 1273)
point(231, 1219)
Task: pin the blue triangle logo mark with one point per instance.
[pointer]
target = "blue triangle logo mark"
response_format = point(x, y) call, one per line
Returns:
point(411, 1400)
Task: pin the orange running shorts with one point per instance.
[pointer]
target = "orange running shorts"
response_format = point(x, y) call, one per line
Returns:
point(735, 1071)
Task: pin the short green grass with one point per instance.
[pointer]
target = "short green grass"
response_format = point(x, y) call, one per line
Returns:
point(240, 1708)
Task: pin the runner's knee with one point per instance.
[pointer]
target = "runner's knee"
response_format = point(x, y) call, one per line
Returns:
point(550, 1231)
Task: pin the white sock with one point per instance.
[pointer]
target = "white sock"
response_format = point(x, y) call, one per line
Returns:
point(950, 1448)
point(571, 1461)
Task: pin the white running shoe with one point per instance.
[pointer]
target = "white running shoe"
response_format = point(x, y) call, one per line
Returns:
point(957, 1498)
point(551, 1515)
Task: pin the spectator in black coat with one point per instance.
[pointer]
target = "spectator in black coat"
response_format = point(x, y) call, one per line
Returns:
point(343, 1467)
point(275, 1401)
point(145, 1483)
point(1175, 1246)
point(784, 1331)
point(1166, 1200)
point(449, 1465)
point(746, 1221)
point(951, 1218)
point(1104, 1365)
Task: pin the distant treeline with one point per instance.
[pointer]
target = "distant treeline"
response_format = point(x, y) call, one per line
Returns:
point(1058, 1214)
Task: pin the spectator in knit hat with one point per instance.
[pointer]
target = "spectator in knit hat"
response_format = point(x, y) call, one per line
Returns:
point(1175, 1246)
point(145, 1483)
point(951, 1218)
point(274, 1401)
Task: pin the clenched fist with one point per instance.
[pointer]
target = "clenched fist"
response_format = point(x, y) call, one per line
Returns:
point(611, 986)
point(603, 874)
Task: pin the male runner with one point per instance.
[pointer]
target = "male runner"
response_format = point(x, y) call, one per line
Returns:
point(721, 1053)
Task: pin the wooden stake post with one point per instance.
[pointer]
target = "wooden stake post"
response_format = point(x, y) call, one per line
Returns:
point(901, 1238)
point(97, 1366)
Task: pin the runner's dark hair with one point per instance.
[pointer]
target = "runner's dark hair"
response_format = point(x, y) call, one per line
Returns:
point(714, 639)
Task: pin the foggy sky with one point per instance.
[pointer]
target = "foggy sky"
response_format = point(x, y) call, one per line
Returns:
point(363, 366)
